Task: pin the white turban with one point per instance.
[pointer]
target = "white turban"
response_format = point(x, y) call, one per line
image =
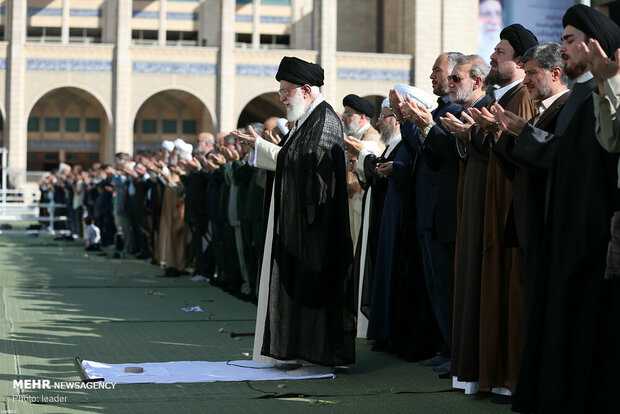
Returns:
point(385, 103)
point(179, 144)
point(281, 123)
point(167, 145)
point(416, 94)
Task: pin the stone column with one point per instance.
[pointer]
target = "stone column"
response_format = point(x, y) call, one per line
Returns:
point(16, 135)
point(108, 31)
point(302, 24)
point(122, 123)
point(208, 30)
point(256, 24)
point(161, 35)
point(327, 48)
point(428, 40)
point(226, 68)
point(64, 31)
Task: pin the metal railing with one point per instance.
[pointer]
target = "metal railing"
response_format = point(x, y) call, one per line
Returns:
point(20, 205)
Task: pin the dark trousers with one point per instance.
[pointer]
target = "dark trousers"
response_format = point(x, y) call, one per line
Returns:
point(438, 260)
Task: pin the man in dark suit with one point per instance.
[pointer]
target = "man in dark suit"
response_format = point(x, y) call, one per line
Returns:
point(430, 185)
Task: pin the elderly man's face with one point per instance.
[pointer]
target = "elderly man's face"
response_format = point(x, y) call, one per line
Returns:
point(294, 98)
point(461, 84)
point(573, 51)
point(351, 120)
point(537, 81)
point(439, 76)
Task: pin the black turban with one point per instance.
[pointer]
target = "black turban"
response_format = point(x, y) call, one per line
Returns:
point(595, 25)
point(519, 38)
point(299, 72)
point(361, 105)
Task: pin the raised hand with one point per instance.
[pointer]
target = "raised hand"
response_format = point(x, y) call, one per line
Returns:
point(508, 121)
point(353, 146)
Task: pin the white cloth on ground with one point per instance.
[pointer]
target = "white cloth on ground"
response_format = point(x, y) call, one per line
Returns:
point(190, 371)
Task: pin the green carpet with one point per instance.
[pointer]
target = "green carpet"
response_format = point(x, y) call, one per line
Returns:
point(56, 303)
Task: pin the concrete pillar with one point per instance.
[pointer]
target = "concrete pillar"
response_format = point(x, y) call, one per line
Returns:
point(327, 48)
point(64, 31)
point(108, 31)
point(123, 131)
point(209, 24)
point(428, 41)
point(226, 66)
point(302, 26)
point(161, 35)
point(15, 83)
point(256, 24)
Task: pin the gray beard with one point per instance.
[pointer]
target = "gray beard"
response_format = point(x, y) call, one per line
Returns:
point(352, 128)
point(462, 96)
point(387, 134)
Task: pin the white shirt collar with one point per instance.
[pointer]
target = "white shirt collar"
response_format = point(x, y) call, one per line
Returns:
point(584, 77)
point(499, 93)
point(361, 131)
point(546, 103)
point(389, 147)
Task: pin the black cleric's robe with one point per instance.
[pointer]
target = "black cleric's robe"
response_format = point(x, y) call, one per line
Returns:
point(571, 353)
point(306, 282)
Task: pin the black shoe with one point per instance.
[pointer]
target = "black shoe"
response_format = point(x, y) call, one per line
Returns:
point(445, 375)
point(502, 399)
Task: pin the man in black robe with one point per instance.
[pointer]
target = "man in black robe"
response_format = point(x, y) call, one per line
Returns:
point(305, 303)
point(573, 349)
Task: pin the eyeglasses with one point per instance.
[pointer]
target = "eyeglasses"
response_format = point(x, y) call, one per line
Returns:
point(455, 78)
point(382, 117)
point(349, 114)
point(286, 91)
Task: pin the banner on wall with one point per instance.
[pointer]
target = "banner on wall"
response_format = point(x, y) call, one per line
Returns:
point(542, 17)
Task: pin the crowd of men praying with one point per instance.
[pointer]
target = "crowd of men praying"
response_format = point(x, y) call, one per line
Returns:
point(483, 229)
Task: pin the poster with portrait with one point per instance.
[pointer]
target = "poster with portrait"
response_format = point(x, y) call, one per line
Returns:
point(542, 17)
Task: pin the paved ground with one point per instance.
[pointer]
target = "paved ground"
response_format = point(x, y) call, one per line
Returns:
point(58, 302)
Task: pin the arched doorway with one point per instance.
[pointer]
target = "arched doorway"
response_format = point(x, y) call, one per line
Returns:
point(168, 115)
point(66, 125)
point(261, 108)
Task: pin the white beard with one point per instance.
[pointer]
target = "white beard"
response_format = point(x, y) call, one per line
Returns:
point(295, 108)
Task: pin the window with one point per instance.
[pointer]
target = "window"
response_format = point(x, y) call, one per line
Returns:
point(169, 126)
point(243, 38)
point(73, 157)
point(149, 126)
point(33, 124)
point(51, 156)
point(43, 34)
point(92, 125)
point(72, 124)
point(274, 41)
point(84, 35)
point(52, 124)
point(144, 37)
point(189, 126)
point(176, 38)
